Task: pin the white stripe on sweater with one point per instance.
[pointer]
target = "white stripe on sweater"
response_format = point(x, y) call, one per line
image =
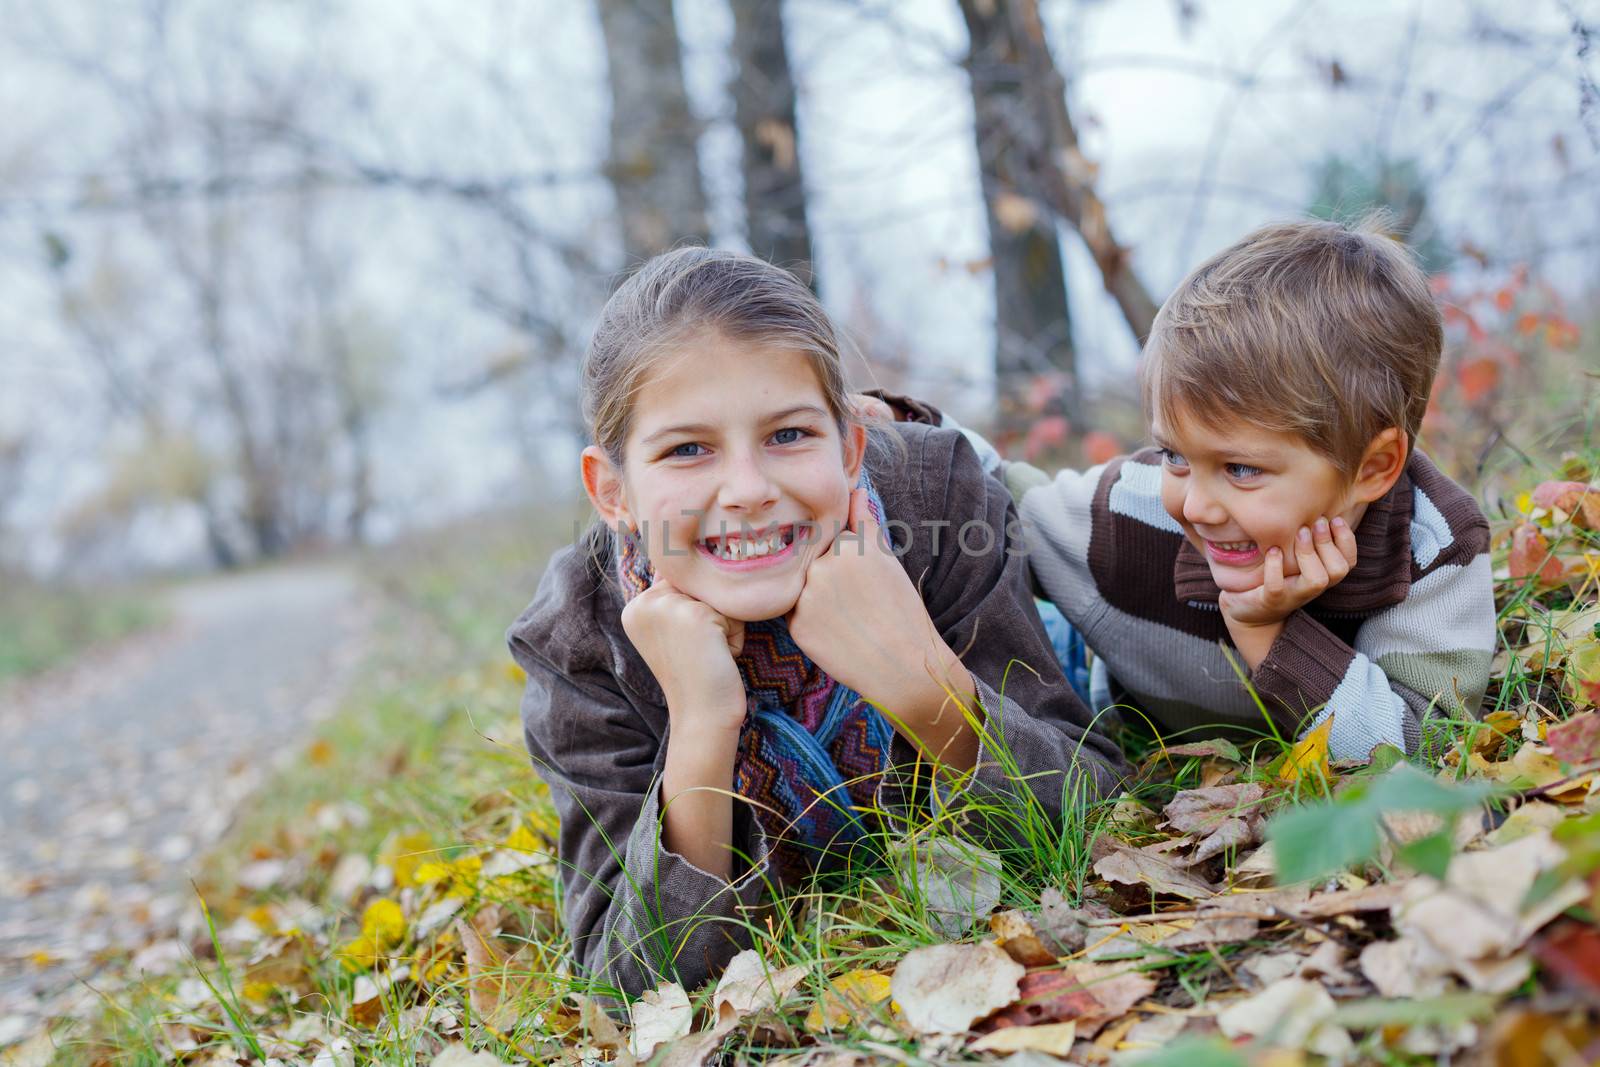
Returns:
point(1137, 494)
point(1430, 533)
point(1366, 712)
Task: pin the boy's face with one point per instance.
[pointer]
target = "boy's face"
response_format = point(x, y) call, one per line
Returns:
point(1237, 490)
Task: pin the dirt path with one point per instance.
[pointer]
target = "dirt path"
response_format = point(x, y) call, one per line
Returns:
point(116, 772)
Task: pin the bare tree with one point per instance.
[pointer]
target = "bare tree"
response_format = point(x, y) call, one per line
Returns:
point(764, 109)
point(654, 165)
point(1033, 326)
point(1064, 177)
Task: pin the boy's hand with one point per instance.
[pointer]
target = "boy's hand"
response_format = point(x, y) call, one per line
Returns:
point(1324, 554)
point(689, 646)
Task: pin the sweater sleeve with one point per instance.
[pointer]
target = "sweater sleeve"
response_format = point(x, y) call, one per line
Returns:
point(1427, 655)
point(636, 912)
point(1036, 733)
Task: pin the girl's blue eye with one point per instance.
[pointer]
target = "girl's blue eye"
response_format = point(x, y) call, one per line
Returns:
point(1242, 471)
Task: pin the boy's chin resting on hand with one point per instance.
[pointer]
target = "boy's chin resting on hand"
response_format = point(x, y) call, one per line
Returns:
point(1324, 554)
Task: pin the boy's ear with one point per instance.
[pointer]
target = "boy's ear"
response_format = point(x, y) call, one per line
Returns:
point(1381, 465)
point(855, 449)
point(603, 482)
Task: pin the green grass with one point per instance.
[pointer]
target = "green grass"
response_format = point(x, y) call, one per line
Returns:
point(45, 625)
point(423, 775)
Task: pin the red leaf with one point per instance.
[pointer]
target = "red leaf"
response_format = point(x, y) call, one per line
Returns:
point(1572, 951)
point(1478, 379)
point(1576, 741)
point(1504, 299)
point(1048, 432)
point(1530, 555)
point(1527, 322)
point(1100, 447)
point(1580, 501)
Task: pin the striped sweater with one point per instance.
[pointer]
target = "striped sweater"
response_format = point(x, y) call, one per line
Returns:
point(1408, 633)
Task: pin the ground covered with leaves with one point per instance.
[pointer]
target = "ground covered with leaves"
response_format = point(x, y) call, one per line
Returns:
point(395, 898)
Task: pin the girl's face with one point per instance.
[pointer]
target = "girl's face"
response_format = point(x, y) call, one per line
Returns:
point(734, 474)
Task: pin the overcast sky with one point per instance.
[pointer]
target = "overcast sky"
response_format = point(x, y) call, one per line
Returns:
point(1202, 126)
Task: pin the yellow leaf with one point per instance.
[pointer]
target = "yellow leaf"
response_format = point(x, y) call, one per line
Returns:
point(1054, 1038)
point(524, 839)
point(402, 853)
point(844, 997)
point(358, 955)
point(1309, 755)
point(383, 923)
point(1525, 503)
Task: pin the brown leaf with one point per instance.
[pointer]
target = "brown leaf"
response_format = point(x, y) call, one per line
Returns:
point(1213, 932)
point(495, 979)
point(1040, 938)
point(1159, 873)
point(1200, 811)
point(1578, 500)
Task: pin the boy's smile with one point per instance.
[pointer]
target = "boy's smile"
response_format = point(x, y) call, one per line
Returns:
point(735, 473)
point(1239, 490)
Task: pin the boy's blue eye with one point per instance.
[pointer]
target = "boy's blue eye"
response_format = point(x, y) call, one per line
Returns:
point(796, 430)
point(681, 454)
point(1242, 470)
point(1171, 457)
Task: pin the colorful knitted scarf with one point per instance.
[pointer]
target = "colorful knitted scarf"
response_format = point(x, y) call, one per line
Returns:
point(811, 752)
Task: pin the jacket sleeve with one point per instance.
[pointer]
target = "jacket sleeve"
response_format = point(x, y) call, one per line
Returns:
point(637, 913)
point(1427, 655)
point(1036, 734)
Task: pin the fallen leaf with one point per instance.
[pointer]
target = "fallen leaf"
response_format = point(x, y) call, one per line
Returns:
point(959, 882)
point(1293, 1013)
point(1090, 994)
point(1392, 968)
point(1309, 756)
point(747, 985)
point(459, 1055)
point(1039, 938)
point(1576, 741)
point(1530, 556)
point(663, 1014)
point(1216, 747)
point(1213, 932)
point(1053, 1038)
point(1159, 873)
point(946, 988)
point(496, 980)
point(846, 997)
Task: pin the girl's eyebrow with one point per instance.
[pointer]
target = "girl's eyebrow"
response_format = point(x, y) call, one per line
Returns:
point(704, 428)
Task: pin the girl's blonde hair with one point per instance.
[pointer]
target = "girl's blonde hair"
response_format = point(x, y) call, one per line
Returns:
point(689, 291)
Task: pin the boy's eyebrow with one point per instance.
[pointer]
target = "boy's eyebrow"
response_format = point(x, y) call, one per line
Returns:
point(702, 427)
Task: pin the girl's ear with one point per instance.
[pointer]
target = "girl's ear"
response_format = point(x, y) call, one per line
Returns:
point(1381, 465)
point(855, 450)
point(603, 482)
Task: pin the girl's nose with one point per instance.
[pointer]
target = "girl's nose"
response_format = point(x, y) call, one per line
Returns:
point(746, 485)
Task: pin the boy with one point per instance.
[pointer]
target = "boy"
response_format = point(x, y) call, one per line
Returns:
point(1284, 509)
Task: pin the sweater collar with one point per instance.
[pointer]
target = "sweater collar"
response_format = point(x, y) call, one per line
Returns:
point(1380, 578)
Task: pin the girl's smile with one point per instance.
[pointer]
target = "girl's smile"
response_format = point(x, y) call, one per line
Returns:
point(735, 473)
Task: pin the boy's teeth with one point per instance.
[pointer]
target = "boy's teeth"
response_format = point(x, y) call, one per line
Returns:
point(735, 549)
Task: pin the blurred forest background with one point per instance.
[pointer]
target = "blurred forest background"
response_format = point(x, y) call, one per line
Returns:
point(301, 273)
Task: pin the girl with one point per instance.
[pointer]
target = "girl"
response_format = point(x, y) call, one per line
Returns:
point(703, 667)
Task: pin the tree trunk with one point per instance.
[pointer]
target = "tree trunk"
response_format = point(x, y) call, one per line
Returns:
point(1033, 327)
point(764, 107)
point(654, 166)
point(1066, 178)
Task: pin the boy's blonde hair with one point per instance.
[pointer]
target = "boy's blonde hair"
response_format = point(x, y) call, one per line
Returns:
point(1325, 331)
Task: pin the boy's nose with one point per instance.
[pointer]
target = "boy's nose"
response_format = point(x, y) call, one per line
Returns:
point(1202, 509)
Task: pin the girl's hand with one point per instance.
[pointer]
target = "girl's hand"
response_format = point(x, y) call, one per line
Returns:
point(860, 619)
point(689, 646)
